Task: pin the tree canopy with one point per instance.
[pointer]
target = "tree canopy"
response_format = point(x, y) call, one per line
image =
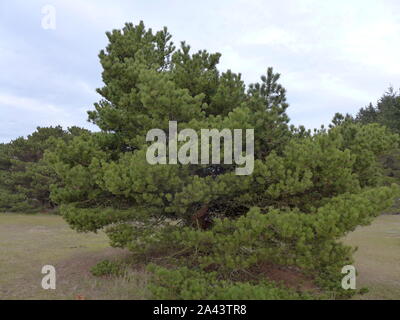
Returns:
point(25, 177)
point(386, 111)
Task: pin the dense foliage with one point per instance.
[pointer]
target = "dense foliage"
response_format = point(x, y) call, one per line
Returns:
point(25, 177)
point(386, 111)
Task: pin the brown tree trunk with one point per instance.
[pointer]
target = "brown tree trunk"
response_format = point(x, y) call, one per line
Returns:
point(200, 218)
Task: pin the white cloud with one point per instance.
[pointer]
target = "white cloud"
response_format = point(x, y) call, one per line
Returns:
point(96, 13)
point(271, 35)
point(376, 44)
point(21, 115)
point(28, 104)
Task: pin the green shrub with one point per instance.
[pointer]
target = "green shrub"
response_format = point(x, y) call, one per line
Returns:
point(108, 268)
point(192, 284)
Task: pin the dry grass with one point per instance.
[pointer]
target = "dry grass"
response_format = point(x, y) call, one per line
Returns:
point(378, 257)
point(29, 242)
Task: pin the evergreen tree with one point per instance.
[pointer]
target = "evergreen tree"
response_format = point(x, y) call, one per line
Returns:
point(25, 177)
point(386, 112)
point(306, 191)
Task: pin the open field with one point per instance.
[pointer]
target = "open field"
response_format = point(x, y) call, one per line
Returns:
point(27, 242)
point(378, 257)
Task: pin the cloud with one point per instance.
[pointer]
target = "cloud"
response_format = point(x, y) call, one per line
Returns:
point(21, 116)
point(334, 55)
point(271, 36)
point(29, 104)
point(375, 44)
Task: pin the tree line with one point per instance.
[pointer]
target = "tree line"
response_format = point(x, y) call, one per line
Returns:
point(25, 176)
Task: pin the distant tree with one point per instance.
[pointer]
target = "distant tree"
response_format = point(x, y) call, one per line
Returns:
point(368, 114)
point(25, 177)
point(340, 119)
point(386, 112)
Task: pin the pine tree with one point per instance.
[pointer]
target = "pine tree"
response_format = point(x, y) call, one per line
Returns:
point(306, 191)
point(25, 177)
point(386, 112)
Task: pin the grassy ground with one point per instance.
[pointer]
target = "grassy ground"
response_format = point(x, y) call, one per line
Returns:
point(378, 257)
point(29, 242)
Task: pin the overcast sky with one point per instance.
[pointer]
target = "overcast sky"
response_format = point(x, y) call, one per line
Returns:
point(334, 55)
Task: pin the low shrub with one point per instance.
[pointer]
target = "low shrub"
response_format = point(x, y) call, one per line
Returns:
point(108, 268)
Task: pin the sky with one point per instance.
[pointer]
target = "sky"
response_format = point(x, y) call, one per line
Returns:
point(333, 55)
